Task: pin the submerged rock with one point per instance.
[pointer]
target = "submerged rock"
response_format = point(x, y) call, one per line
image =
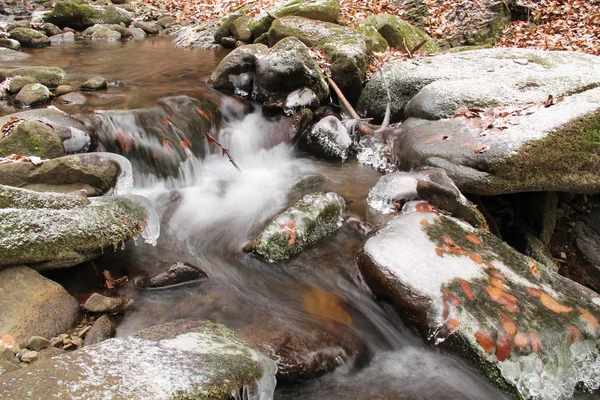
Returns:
point(34, 305)
point(92, 172)
point(182, 359)
point(67, 37)
point(32, 138)
point(176, 274)
point(12, 55)
point(530, 331)
point(65, 231)
point(313, 217)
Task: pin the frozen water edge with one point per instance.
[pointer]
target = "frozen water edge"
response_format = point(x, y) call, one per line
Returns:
point(124, 183)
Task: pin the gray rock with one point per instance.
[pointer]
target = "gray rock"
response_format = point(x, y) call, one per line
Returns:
point(12, 55)
point(137, 33)
point(28, 356)
point(11, 44)
point(224, 28)
point(51, 29)
point(7, 366)
point(166, 22)
point(65, 232)
point(102, 32)
point(37, 343)
point(97, 303)
point(33, 305)
point(95, 83)
point(32, 138)
point(19, 82)
point(67, 37)
point(373, 39)
point(240, 29)
point(32, 94)
point(29, 37)
point(236, 70)
point(102, 330)
point(47, 76)
point(329, 138)
point(286, 67)
point(72, 98)
point(401, 34)
point(64, 89)
point(187, 355)
point(229, 42)
point(150, 27)
point(74, 134)
point(465, 289)
point(345, 49)
point(313, 217)
point(81, 16)
point(18, 24)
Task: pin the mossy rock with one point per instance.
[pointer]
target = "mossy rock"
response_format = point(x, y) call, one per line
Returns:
point(32, 138)
point(312, 218)
point(29, 37)
point(321, 10)
point(401, 34)
point(81, 16)
point(47, 76)
point(240, 62)
point(225, 28)
point(374, 40)
point(528, 330)
point(194, 359)
point(32, 94)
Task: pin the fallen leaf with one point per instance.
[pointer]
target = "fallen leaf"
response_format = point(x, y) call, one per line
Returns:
point(536, 341)
point(574, 333)
point(535, 292)
point(497, 283)
point(498, 274)
point(473, 239)
point(458, 251)
point(485, 341)
point(589, 319)
point(448, 240)
point(424, 222)
point(453, 325)
point(466, 287)
point(439, 252)
point(475, 258)
point(509, 325)
point(489, 265)
point(481, 149)
point(534, 270)
point(553, 305)
point(511, 308)
point(455, 300)
point(521, 340)
point(503, 345)
point(500, 296)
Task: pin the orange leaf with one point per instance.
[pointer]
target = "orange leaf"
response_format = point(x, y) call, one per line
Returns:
point(587, 317)
point(475, 258)
point(536, 342)
point(497, 283)
point(455, 300)
point(448, 240)
point(521, 340)
point(500, 297)
point(534, 271)
point(498, 274)
point(203, 114)
point(503, 346)
point(473, 239)
point(489, 265)
point(509, 325)
point(439, 252)
point(453, 325)
point(424, 222)
point(511, 308)
point(458, 251)
point(574, 333)
point(466, 287)
point(553, 305)
point(445, 309)
point(292, 236)
point(485, 341)
point(535, 292)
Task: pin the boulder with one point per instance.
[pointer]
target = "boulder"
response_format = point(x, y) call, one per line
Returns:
point(82, 16)
point(19, 82)
point(29, 37)
point(175, 274)
point(92, 172)
point(530, 331)
point(67, 37)
point(75, 136)
point(102, 32)
point(224, 28)
point(300, 98)
point(166, 21)
point(322, 10)
point(32, 138)
point(373, 39)
point(34, 305)
point(18, 24)
point(192, 358)
point(345, 49)
point(32, 94)
point(64, 89)
point(240, 29)
point(313, 217)
point(136, 33)
point(11, 44)
point(401, 34)
point(150, 27)
point(66, 230)
point(329, 138)
point(97, 303)
point(38, 343)
point(47, 76)
point(95, 83)
point(287, 67)
point(51, 29)
point(395, 189)
point(72, 98)
point(12, 55)
point(236, 71)
point(102, 330)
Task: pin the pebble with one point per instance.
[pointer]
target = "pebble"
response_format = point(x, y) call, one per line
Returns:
point(37, 343)
point(28, 356)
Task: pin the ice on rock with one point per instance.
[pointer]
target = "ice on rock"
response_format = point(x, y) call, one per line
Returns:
point(374, 153)
point(124, 183)
point(331, 136)
point(393, 188)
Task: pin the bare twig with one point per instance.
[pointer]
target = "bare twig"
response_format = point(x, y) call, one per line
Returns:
point(418, 46)
point(406, 48)
point(211, 139)
point(345, 103)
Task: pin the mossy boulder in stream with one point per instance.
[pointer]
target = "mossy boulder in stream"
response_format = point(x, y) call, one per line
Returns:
point(184, 359)
point(81, 16)
point(52, 230)
point(530, 331)
point(28, 37)
point(401, 34)
point(322, 10)
point(32, 138)
point(313, 217)
point(47, 76)
point(236, 72)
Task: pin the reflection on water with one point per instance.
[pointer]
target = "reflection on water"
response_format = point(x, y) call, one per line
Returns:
point(207, 220)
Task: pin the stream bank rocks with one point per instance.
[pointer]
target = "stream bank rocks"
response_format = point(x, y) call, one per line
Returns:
point(313, 217)
point(181, 359)
point(33, 305)
point(52, 230)
point(529, 330)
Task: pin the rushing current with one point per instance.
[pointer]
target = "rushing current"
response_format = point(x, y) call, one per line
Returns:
point(209, 211)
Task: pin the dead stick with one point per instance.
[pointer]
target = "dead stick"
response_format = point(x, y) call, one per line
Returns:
point(417, 47)
point(349, 109)
point(210, 139)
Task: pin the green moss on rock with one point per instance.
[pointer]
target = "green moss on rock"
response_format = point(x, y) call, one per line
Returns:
point(401, 34)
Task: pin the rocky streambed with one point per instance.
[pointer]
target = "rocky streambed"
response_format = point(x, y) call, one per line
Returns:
point(292, 248)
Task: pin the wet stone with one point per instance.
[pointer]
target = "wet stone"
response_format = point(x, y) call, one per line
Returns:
point(102, 330)
point(177, 273)
point(37, 343)
point(95, 83)
point(102, 304)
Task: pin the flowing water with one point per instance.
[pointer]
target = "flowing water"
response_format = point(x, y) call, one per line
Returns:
point(209, 211)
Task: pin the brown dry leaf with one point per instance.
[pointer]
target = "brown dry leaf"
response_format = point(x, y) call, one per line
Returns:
point(485, 341)
point(553, 305)
point(466, 288)
point(500, 296)
point(7, 341)
point(503, 345)
point(535, 292)
point(327, 305)
point(497, 283)
point(453, 325)
point(482, 149)
point(448, 240)
point(439, 252)
point(424, 222)
point(508, 324)
point(473, 239)
point(574, 333)
point(475, 258)
point(497, 274)
point(589, 319)
point(455, 300)
point(536, 341)
point(534, 270)
point(521, 340)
